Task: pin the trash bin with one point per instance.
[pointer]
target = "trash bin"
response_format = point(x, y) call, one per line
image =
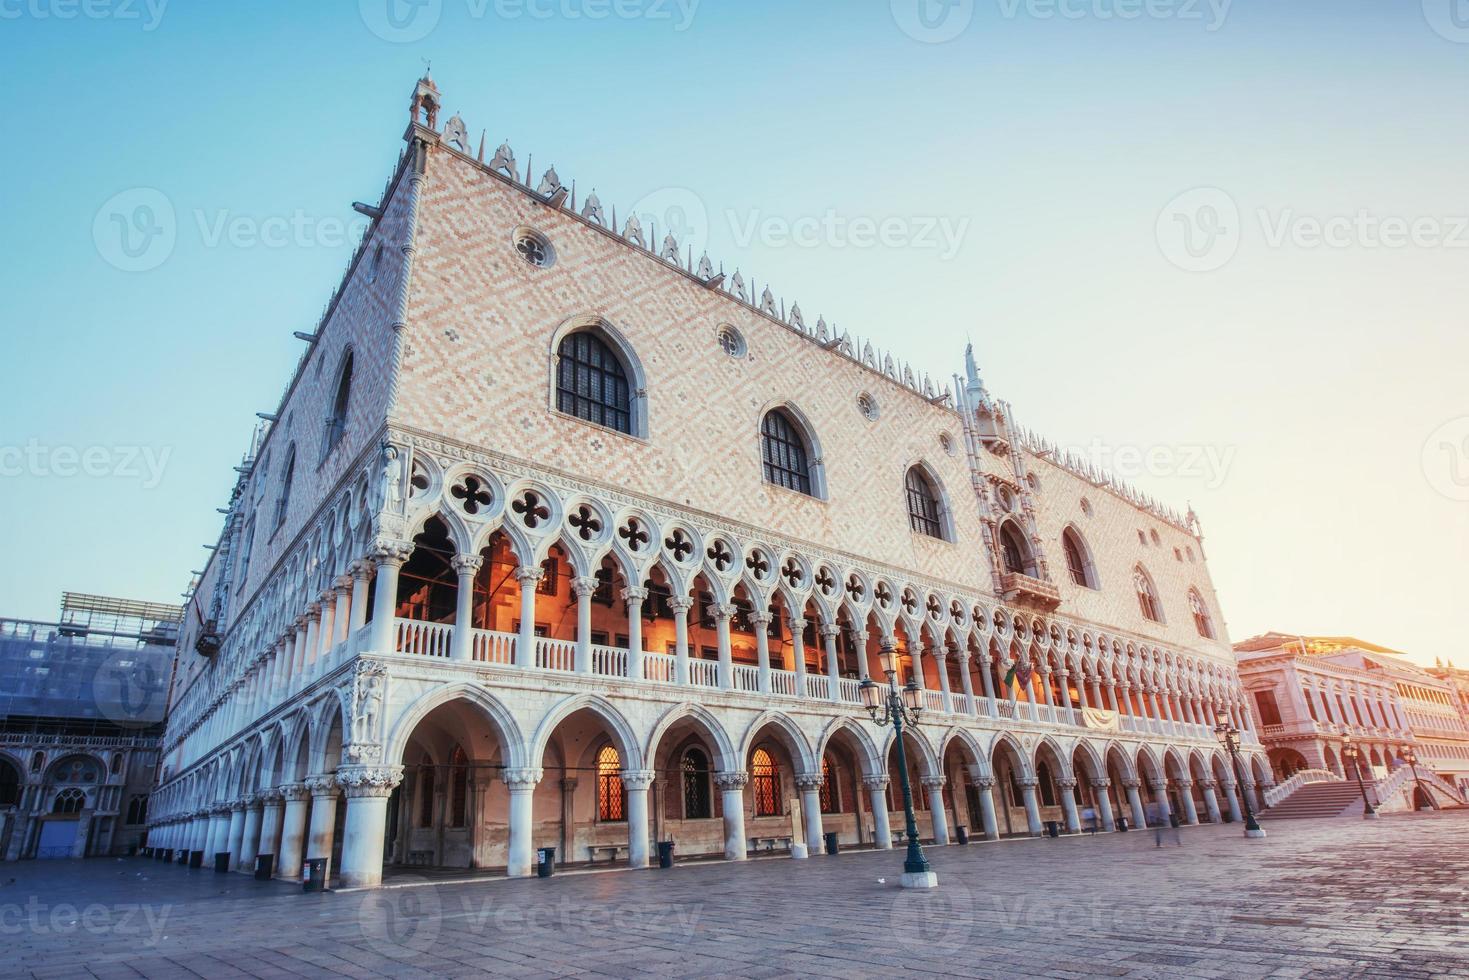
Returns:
point(264, 866)
point(961, 834)
point(829, 843)
point(1053, 828)
point(665, 854)
point(545, 862)
point(1123, 825)
point(196, 859)
point(313, 875)
point(222, 863)
point(183, 857)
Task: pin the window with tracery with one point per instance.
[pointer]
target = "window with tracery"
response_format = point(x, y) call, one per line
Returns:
point(1076, 559)
point(696, 797)
point(1147, 597)
point(591, 382)
point(1202, 622)
point(611, 796)
point(765, 783)
point(783, 453)
point(69, 801)
point(1013, 549)
point(831, 798)
point(923, 505)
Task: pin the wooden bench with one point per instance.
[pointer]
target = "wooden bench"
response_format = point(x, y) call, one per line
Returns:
point(769, 843)
point(613, 851)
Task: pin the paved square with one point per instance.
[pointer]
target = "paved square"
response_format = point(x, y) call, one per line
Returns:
point(1323, 898)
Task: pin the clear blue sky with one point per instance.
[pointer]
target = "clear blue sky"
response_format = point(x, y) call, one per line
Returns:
point(1051, 146)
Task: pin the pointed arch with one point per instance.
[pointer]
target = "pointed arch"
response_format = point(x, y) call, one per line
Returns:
point(475, 696)
point(867, 754)
point(789, 734)
point(596, 376)
point(623, 737)
point(702, 720)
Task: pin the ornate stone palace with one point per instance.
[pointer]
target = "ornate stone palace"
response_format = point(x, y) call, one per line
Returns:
point(561, 537)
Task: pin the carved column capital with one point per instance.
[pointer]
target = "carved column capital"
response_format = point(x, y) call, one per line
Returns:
point(878, 782)
point(294, 792)
point(680, 604)
point(529, 575)
point(638, 779)
point(1066, 782)
point(933, 782)
point(271, 797)
point(466, 564)
point(731, 780)
point(810, 780)
point(360, 781)
point(522, 779)
point(1101, 782)
point(584, 586)
point(322, 786)
point(634, 595)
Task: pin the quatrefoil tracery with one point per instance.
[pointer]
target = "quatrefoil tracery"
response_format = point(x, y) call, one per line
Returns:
point(473, 494)
point(533, 513)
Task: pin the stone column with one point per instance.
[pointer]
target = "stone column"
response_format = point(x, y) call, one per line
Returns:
point(1135, 803)
point(271, 812)
point(529, 577)
point(1186, 796)
point(1211, 801)
point(760, 622)
point(877, 792)
point(298, 656)
point(1032, 805)
point(219, 832)
point(1160, 792)
point(293, 831)
point(985, 790)
point(798, 651)
point(361, 573)
point(326, 631)
point(582, 587)
point(521, 857)
point(389, 560)
point(1232, 801)
point(987, 677)
point(236, 832)
point(1104, 804)
point(810, 786)
point(313, 642)
point(341, 629)
point(935, 787)
point(367, 789)
point(634, 599)
point(966, 682)
point(636, 783)
point(681, 606)
point(1067, 786)
point(722, 613)
point(462, 649)
point(732, 794)
point(829, 634)
point(941, 664)
point(324, 792)
point(250, 832)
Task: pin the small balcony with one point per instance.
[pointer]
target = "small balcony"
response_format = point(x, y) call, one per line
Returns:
point(1019, 587)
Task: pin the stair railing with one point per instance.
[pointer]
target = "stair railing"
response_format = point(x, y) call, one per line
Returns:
point(1285, 788)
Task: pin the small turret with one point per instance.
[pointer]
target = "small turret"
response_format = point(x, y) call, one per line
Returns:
point(425, 107)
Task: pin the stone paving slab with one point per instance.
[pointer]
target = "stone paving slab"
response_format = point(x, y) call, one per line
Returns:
point(1315, 899)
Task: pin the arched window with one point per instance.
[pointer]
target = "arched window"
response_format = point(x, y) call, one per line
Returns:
point(592, 383)
point(138, 810)
point(287, 476)
point(336, 425)
point(1047, 786)
point(831, 796)
point(765, 781)
point(1078, 559)
point(925, 514)
point(783, 451)
point(9, 784)
point(426, 793)
point(458, 788)
point(1015, 550)
point(695, 769)
point(1147, 596)
point(1202, 622)
point(69, 801)
point(611, 798)
point(116, 763)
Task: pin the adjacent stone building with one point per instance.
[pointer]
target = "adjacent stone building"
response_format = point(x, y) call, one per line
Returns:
point(562, 537)
point(82, 702)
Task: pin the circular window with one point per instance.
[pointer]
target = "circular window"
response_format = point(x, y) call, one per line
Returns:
point(947, 441)
point(1033, 481)
point(1086, 507)
point(867, 405)
point(534, 247)
point(731, 342)
point(1006, 499)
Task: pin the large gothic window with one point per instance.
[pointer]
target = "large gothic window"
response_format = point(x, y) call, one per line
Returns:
point(1202, 622)
point(1014, 549)
point(695, 769)
point(69, 801)
point(591, 382)
point(611, 797)
point(783, 452)
point(924, 512)
point(831, 797)
point(336, 424)
point(765, 781)
point(1078, 560)
point(283, 502)
point(1147, 596)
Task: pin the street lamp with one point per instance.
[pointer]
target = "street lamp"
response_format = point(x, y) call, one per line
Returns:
point(899, 707)
point(1352, 754)
point(1229, 736)
point(1411, 758)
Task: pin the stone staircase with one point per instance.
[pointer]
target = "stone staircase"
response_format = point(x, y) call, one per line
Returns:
point(1336, 798)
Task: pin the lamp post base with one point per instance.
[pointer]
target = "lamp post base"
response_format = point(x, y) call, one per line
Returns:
point(920, 879)
point(1369, 814)
point(1257, 832)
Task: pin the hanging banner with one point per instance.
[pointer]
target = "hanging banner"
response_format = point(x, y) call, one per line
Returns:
point(1100, 719)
